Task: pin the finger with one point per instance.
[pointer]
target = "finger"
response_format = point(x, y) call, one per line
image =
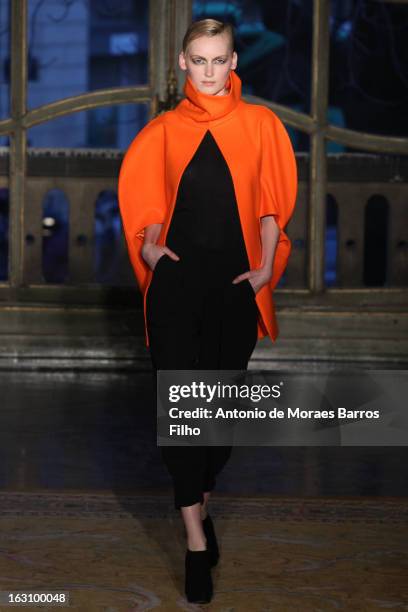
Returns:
point(242, 277)
point(171, 254)
point(238, 279)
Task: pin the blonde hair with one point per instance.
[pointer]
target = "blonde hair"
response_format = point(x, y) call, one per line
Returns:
point(208, 27)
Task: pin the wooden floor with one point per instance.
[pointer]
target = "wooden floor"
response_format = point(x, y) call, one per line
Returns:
point(86, 507)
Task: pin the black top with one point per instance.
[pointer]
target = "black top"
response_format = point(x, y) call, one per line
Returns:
point(205, 218)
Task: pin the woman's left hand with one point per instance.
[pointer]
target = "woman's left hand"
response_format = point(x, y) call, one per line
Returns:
point(257, 278)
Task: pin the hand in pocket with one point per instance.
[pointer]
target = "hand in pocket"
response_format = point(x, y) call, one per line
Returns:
point(151, 253)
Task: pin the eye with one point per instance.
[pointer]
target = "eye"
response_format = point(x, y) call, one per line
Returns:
point(199, 61)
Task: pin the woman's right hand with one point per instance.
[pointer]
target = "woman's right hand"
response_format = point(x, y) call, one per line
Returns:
point(151, 253)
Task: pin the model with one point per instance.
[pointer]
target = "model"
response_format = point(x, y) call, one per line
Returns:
point(205, 191)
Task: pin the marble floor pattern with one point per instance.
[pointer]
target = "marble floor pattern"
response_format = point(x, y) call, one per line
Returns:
point(86, 507)
point(284, 554)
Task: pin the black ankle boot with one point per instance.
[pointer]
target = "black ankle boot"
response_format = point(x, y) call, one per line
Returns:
point(212, 544)
point(198, 581)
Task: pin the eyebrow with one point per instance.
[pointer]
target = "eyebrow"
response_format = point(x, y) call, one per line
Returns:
point(201, 57)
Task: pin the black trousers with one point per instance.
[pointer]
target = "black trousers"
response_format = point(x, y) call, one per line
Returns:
point(198, 319)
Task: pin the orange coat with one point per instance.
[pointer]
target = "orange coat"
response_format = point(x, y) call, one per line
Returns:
point(259, 154)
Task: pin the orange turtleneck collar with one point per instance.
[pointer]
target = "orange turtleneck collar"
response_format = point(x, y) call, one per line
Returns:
point(201, 106)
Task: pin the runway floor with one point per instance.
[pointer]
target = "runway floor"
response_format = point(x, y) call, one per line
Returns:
point(86, 507)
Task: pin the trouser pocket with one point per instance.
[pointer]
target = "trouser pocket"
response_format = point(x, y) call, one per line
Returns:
point(163, 295)
point(247, 282)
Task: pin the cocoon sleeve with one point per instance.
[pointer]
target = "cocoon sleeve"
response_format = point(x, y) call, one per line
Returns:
point(278, 185)
point(142, 192)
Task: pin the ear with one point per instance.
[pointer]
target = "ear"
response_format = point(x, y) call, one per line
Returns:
point(234, 60)
point(182, 61)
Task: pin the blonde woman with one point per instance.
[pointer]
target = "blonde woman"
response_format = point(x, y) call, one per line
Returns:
point(205, 191)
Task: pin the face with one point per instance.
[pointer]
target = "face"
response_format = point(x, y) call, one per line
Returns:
point(208, 61)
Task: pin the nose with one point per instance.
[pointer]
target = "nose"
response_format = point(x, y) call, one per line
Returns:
point(209, 70)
